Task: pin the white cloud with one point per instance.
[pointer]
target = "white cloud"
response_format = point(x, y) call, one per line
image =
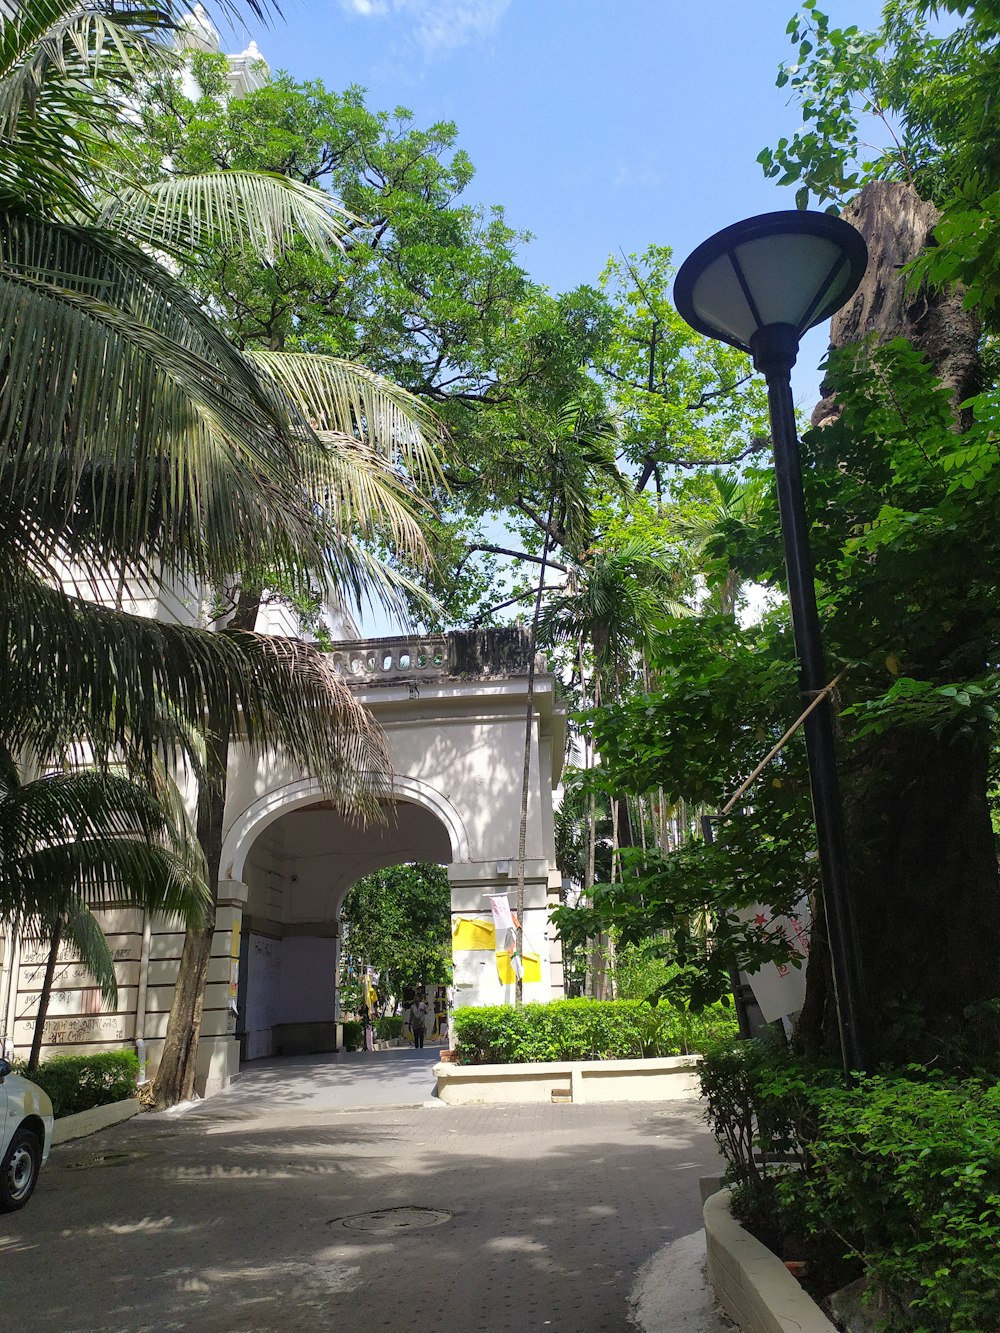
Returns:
point(366, 8)
point(646, 175)
point(436, 26)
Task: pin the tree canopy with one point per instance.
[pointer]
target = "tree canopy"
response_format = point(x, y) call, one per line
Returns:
point(398, 922)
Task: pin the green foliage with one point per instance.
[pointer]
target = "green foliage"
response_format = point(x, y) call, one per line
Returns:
point(80, 1082)
point(908, 1171)
point(354, 1034)
point(901, 1170)
point(398, 922)
point(930, 93)
point(723, 696)
point(582, 1030)
point(388, 1027)
point(920, 95)
point(682, 399)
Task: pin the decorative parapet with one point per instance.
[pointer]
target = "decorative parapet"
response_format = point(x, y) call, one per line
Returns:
point(475, 654)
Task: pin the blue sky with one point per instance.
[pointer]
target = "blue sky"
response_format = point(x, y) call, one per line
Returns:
point(600, 127)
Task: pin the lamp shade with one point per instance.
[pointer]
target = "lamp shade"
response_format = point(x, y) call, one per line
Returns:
point(793, 268)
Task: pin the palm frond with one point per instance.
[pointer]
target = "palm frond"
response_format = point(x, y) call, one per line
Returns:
point(258, 213)
point(91, 944)
point(74, 669)
point(130, 425)
point(95, 837)
point(342, 398)
point(66, 70)
point(381, 447)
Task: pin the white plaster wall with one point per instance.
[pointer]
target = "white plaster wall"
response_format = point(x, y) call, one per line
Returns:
point(462, 743)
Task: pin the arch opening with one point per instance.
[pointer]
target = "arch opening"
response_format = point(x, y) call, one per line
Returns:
point(297, 870)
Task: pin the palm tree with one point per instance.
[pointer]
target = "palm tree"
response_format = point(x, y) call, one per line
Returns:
point(137, 440)
point(722, 529)
point(573, 448)
point(78, 839)
point(616, 595)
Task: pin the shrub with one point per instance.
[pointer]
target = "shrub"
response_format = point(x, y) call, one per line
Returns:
point(909, 1172)
point(79, 1082)
point(582, 1030)
point(903, 1170)
point(388, 1027)
point(354, 1034)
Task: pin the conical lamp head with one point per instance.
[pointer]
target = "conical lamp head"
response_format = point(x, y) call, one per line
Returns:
point(793, 268)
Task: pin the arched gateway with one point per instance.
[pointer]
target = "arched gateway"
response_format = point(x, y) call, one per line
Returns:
point(454, 709)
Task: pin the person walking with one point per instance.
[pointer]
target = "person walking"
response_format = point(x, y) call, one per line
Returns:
point(418, 1020)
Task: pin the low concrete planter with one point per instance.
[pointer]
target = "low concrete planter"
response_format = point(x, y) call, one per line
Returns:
point(584, 1081)
point(78, 1126)
point(751, 1284)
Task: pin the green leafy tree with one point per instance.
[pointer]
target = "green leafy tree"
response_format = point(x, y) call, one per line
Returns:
point(398, 922)
point(721, 699)
point(682, 401)
point(81, 839)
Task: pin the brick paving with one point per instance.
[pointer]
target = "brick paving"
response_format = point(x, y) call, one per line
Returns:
point(230, 1218)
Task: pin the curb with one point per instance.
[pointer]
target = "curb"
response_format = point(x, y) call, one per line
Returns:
point(751, 1284)
point(655, 1079)
point(78, 1126)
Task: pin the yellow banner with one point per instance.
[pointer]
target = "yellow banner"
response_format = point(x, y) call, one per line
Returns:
point(505, 968)
point(473, 933)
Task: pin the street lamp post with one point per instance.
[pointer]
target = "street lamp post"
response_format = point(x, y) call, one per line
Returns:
point(758, 286)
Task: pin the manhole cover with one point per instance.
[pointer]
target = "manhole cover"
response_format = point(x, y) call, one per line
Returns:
point(104, 1159)
point(393, 1219)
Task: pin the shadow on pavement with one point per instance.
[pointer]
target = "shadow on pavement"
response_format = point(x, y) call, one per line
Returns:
point(217, 1227)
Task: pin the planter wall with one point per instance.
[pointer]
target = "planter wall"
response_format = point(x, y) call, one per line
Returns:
point(751, 1284)
point(78, 1126)
point(584, 1081)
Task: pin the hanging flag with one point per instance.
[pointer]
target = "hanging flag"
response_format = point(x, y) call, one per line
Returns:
point(502, 917)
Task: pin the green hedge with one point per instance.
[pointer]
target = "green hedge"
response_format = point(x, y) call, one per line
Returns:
point(583, 1030)
point(900, 1172)
point(80, 1082)
point(354, 1034)
point(388, 1027)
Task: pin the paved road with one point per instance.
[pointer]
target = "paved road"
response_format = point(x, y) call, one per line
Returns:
point(242, 1214)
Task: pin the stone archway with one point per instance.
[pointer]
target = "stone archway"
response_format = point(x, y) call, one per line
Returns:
point(453, 708)
point(303, 792)
point(296, 872)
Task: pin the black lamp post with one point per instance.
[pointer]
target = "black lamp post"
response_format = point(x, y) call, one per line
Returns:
point(758, 286)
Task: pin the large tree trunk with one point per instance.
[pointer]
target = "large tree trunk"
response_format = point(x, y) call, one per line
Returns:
point(178, 1068)
point(925, 887)
point(897, 224)
point(924, 868)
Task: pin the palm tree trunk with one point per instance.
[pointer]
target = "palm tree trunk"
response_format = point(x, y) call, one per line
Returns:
point(45, 994)
point(178, 1068)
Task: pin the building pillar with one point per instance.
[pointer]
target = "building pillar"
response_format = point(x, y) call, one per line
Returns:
point(219, 1047)
point(476, 976)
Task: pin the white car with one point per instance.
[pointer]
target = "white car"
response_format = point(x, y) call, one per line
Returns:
point(25, 1137)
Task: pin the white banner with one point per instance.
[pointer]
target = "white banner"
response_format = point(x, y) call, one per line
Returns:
point(503, 922)
point(780, 988)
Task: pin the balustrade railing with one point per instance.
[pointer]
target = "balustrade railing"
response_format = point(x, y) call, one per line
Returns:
point(462, 654)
